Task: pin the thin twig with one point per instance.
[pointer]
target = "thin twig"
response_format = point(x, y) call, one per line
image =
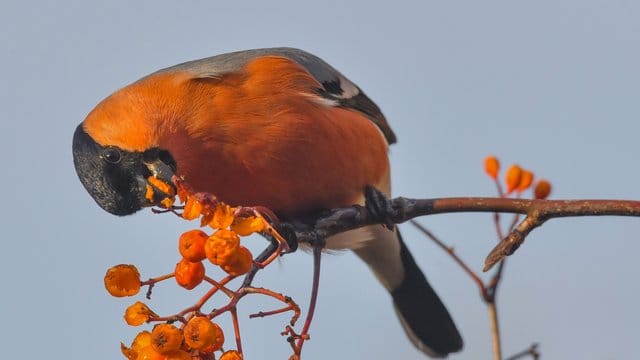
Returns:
point(153, 281)
point(497, 276)
point(236, 329)
point(492, 287)
point(450, 250)
point(532, 351)
point(495, 330)
point(304, 335)
point(265, 254)
point(513, 241)
point(262, 314)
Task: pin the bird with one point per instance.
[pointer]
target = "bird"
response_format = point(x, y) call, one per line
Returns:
point(274, 127)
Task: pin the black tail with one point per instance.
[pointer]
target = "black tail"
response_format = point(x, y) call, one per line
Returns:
point(423, 315)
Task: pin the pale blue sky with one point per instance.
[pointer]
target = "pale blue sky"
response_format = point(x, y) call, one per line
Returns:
point(553, 85)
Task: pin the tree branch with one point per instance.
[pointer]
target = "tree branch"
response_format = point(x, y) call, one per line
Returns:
point(399, 210)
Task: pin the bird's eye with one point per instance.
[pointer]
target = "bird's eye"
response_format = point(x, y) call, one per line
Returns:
point(112, 155)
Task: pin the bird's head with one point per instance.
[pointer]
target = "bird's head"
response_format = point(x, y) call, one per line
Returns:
point(117, 179)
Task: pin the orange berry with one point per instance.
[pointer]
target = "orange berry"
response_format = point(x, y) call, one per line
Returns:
point(222, 216)
point(183, 193)
point(512, 177)
point(492, 166)
point(122, 280)
point(141, 340)
point(239, 263)
point(221, 245)
point(168, 202)
point(166, 338)
point(137, 314)
point(525, 181)
point(218, 341)
point(208, 350)
point(149, 193)
point(129, 353)
point(149, 353)
point(200, 333)
point(166, 188)
point(248, 226)
point(192, 209)
point(177, 355)
point(542, 189)
point(207, 216)
point(191, 245)
point(189, 274)
point(231, 355)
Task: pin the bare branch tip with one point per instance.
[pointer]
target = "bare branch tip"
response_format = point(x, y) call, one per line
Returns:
point(493, 258)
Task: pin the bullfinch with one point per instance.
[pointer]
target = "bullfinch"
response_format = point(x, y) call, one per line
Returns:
point(276, 127)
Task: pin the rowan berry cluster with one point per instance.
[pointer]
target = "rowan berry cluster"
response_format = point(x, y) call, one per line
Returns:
point(167, 342)
point(516, 179)
point(191, 333)
point(196, 336)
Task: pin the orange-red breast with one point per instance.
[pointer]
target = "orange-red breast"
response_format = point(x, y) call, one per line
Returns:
point(273, 127)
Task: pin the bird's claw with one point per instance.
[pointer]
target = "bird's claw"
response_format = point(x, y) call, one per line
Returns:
point(379, 206)
point(288, 232)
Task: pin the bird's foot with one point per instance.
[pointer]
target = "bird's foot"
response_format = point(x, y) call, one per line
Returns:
point(379, 206)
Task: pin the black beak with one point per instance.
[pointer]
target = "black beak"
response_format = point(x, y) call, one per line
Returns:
point(161, 171)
